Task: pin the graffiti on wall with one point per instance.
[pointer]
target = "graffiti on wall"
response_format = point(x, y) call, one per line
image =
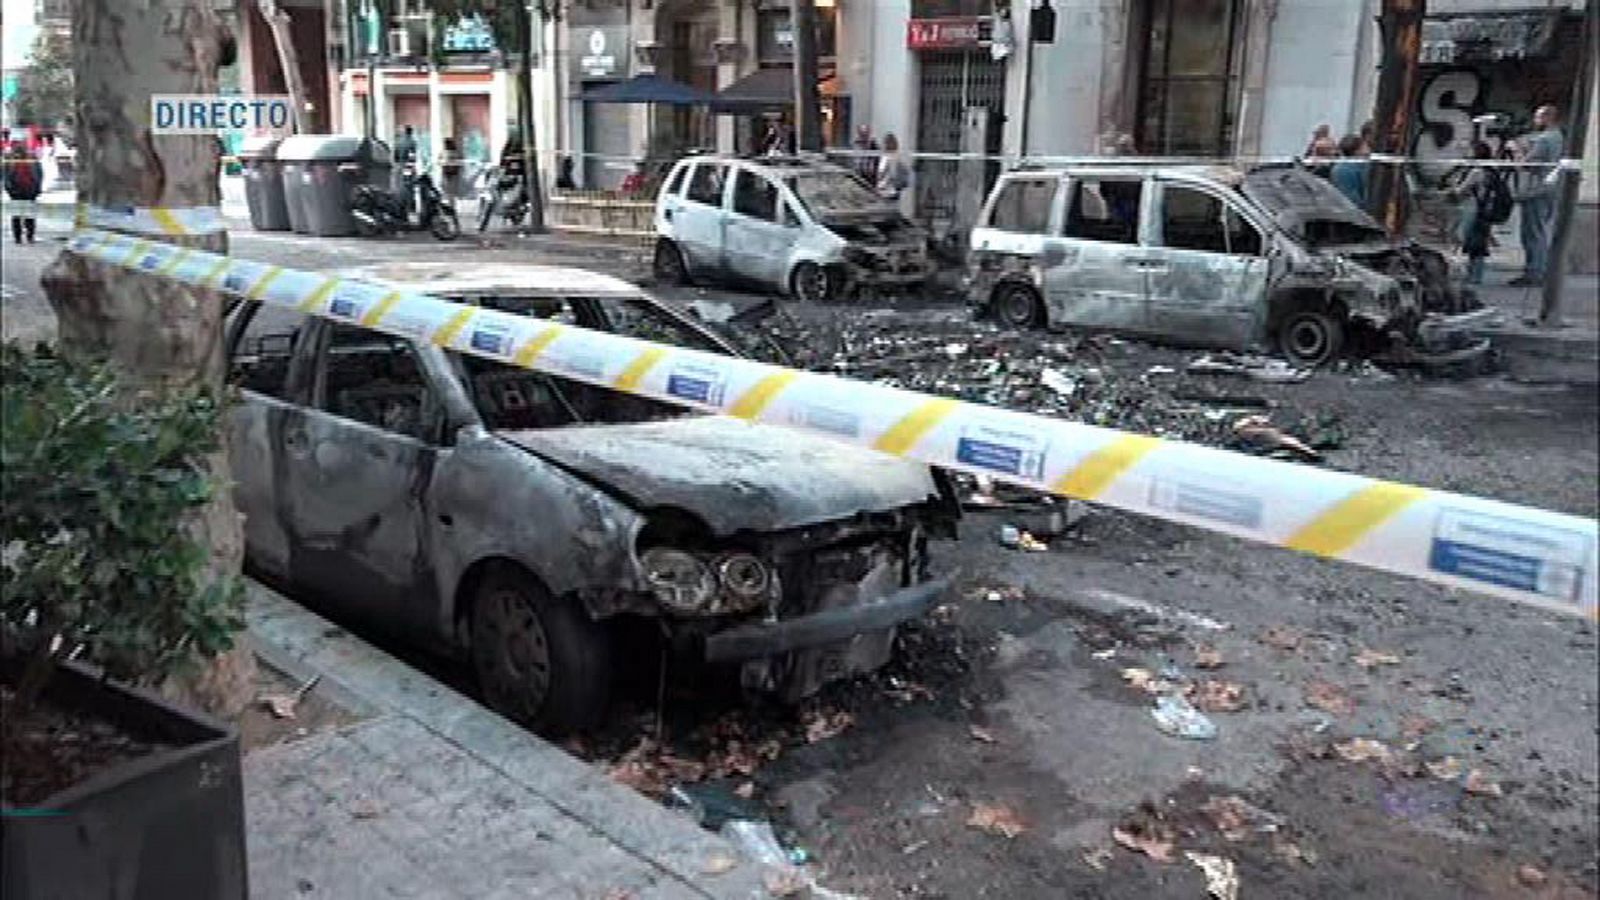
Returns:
point(1453, 107)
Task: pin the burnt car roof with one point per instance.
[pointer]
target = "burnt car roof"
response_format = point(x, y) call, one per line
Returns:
point(1296, 196)
point(453, 278)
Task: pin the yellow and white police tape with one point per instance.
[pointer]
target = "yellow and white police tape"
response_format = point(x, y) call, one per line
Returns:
point(1543, 558)
point(158, 221)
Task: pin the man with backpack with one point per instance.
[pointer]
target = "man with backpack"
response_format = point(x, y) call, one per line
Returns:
point(1486, 202)
point(24, 178)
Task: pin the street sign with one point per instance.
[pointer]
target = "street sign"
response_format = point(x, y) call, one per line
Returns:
point(218, 113)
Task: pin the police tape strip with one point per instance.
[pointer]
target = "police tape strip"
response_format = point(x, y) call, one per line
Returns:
point(1542, 558)
point(156, 221)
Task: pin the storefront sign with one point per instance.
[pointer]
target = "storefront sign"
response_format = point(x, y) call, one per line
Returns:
point(1488, 37)
point(949, 33)
point(601, 53)
point(468, 35)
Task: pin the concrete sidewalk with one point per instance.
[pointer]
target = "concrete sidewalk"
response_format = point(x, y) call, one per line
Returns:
point(433, 796)
point(1530, 352)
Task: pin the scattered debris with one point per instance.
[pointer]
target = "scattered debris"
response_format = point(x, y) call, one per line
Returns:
point(1260, 436)
point(1531, 876)
point(1057, 381)
point(1330, 698)
point(1258, 368)
point(1098, 858)
point(1371, 659)
point(904, 691)
point(981, 734)
point(1026, 541)
point(1237, 819)
point(1363, 750)
point(756, 840)
point(1208, 657)
point(1445, 769)
point(1480, 784)
point(1146, 680)
point(913, 847)
point(1174, 716)
point(1146, 832)
point(1222, 876)
point(283, 706)
point(995, 819)
point(1108, 653)
point(365, 809)
point(718, 864)
point(1010, 536)
point(1215, 695)
point(820, 725)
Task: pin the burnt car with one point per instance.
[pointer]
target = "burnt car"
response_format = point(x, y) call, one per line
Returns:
point(801, 226)
point(512, 517)
point(1214, 257)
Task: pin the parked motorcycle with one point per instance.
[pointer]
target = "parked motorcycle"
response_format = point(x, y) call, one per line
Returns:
point(378, 211)
point(502, 193)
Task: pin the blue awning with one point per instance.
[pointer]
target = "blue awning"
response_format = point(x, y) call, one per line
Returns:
point(648, 89)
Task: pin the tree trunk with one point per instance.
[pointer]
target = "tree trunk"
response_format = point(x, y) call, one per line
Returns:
point(1401, 28)
point(807, 103)
point(160, 333)
point(278, 23)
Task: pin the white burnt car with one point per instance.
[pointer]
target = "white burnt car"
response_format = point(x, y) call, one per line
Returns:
point(1211, 256)
point(800, 226)
point(514, 517)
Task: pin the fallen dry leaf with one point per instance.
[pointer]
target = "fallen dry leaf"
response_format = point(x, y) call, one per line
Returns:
point(283, 706)
point(1258, 431)
point(996, 819)
point(1480, 784)
point(1207, 657)
point(1446, 769)
point(1531, 876)
point(1363, 750)
point(1283, 637)
point(1371, 659)
point(820, 726)
point(979, 733)
point(717, 864)
point(1237, 819)
point(1222, 877)
point(745, 791)
point(1330, 698)
point(1212, 695)
point(1156, 847)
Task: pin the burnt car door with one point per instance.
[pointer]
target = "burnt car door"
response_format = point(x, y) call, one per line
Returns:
point(699, 218)
point(1097, 280)
point(1207, 272)
point(360, 463)
point(760, 232)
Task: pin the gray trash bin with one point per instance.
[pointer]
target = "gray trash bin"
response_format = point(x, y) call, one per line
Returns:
point(263, 184)
point(320, 172)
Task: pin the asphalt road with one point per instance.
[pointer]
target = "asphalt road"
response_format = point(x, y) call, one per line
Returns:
point(1019, 713)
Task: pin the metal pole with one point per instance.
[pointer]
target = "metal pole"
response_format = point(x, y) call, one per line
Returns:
point(1401, 27)
point(1555, 275)
point(370, 119)
point(807, 105)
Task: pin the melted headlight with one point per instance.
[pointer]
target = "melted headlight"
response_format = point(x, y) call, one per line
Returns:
point(680, 581)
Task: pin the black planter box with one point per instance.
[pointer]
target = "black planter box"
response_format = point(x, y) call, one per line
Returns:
point(167, 825)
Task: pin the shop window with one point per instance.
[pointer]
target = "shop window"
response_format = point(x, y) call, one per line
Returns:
point(775, 36)
point(1023, 206)
point(1105, 209)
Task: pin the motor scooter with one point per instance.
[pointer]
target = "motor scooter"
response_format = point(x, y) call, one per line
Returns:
point(378, 211)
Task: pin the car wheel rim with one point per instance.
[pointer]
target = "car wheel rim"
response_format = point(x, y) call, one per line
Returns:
point(813, 283)
point(668, 265)
point(1016, 307)
point(517, 652)
point(1308, 339)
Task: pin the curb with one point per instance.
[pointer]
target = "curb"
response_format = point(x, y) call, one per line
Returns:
point(284, 631)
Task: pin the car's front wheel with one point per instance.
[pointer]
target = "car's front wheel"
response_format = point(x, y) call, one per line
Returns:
point(1016, 305)
point(670, 267)
point(539, 660)
point(1310, 337)
point(812, 283)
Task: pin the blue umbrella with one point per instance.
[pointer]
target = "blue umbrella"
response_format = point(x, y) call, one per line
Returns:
point(648, 89)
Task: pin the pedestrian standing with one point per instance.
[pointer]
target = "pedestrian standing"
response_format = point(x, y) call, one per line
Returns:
point(450, 168)
point(893, 176)
point(1477, 195)
point(405, 158)
point(1349, 174)
point(1536, 194)
point(24, 178)
point(1322, 133)
point(866, 163)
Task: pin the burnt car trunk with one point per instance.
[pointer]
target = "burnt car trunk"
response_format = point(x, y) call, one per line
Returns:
point(169, 824)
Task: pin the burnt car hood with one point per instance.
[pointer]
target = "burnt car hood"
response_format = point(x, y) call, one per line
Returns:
point(1309, 206)
point(733, 474)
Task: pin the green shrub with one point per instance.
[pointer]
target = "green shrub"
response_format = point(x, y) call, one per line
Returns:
point(96, 483)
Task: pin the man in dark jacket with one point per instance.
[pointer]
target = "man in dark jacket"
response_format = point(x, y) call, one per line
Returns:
point(24, 178)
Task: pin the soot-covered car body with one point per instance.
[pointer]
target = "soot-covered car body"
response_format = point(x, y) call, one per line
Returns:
point(513, 516)
point(1212, 256)
point(797, 225)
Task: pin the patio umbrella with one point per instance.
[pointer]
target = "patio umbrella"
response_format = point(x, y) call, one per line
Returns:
point(648, 89)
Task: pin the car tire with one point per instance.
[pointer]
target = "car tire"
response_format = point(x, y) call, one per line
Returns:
point(811, 283)
point(1310, 337)
point(1016, 305)
point(540, 660)
point(669, 264)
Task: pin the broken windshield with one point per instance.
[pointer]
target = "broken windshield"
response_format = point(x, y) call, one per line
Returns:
point(825, 192)
point(1310, 207)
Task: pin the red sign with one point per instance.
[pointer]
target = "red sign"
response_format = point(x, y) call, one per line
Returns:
point(945, 33)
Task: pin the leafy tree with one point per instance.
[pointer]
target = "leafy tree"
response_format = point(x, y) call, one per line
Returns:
point(44, 88)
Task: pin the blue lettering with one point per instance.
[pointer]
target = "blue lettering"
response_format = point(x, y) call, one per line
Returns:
point(219, 114)
point(279, 115)
point(236, 115)
point(164, 114)
point(197, 115)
